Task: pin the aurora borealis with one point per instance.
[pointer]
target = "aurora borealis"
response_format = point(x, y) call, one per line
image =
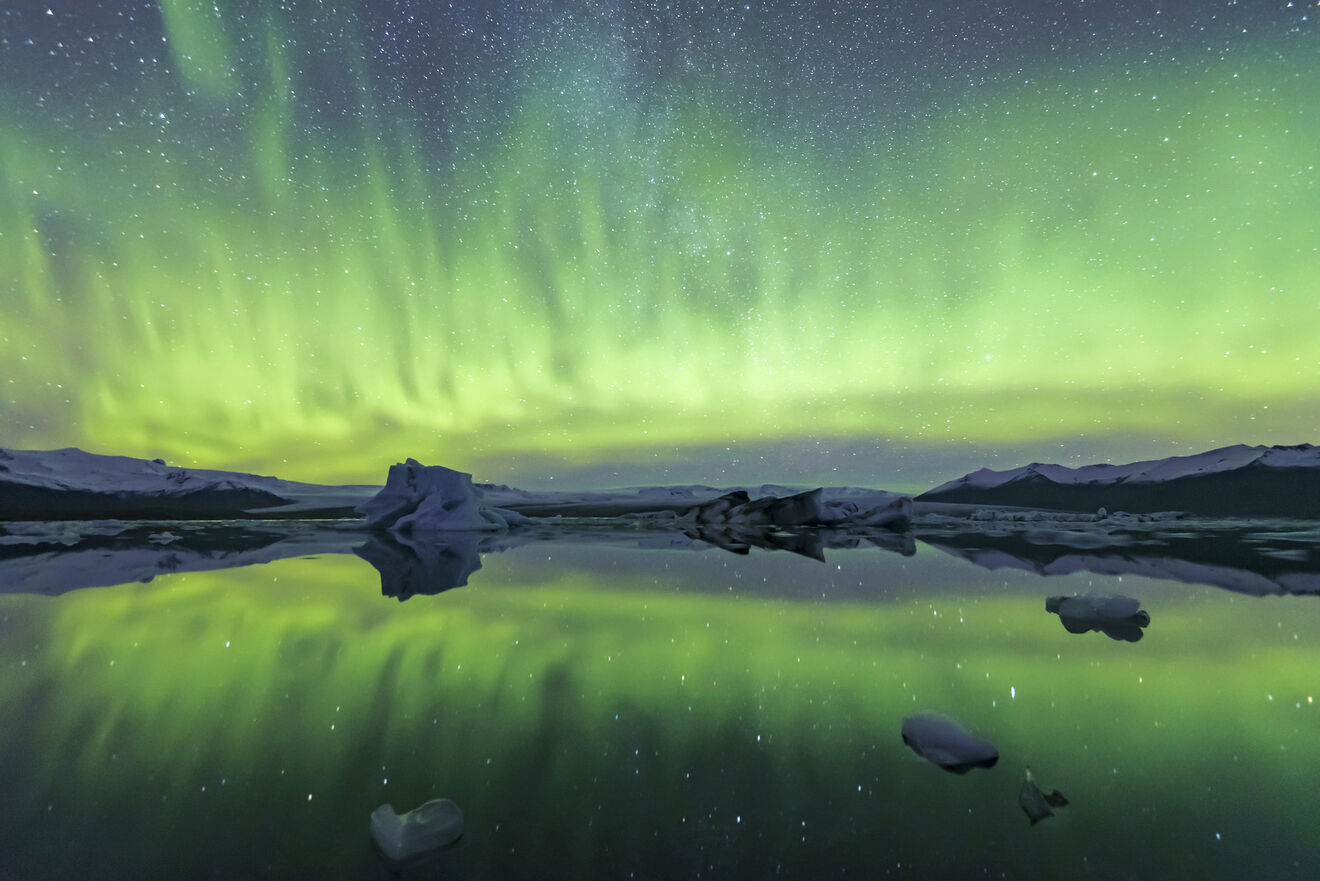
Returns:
point(536, 239)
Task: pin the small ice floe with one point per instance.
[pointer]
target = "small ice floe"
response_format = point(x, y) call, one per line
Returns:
point(943, 742)
point(405, 837)
point(1037, 804)
point(1118, 617)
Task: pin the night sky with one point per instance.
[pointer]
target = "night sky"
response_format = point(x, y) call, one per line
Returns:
point(571, 243)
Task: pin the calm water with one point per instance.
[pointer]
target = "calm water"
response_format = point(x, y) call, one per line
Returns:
point(605, 710)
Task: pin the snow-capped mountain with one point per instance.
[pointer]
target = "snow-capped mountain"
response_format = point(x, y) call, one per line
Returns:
point(72, 484)
point(1233, 481)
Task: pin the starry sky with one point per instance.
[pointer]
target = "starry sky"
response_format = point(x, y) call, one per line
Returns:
point(605, 243)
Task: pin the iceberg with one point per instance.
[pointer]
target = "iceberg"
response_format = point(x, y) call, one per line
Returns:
point(943, 742)
point(430, 498)
point(778, 507)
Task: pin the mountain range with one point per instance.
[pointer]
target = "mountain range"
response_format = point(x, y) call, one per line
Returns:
point(1236, 481)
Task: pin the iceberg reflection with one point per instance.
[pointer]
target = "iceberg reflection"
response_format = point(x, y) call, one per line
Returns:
point(1258, 558)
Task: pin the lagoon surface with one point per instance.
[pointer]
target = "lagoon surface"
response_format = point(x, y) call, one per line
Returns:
point(609, 710)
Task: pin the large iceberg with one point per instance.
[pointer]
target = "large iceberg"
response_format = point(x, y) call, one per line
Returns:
point(421, 498)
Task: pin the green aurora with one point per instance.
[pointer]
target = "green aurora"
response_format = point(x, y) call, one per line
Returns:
point(200, 261)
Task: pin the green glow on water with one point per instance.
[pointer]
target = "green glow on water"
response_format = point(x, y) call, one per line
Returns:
point(601, 698)
point(1129, 248)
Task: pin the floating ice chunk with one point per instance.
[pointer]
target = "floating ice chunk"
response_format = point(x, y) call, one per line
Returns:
point(403, 837)
point(719, 510)
point(1036, 803)
point(1118, 617)
point(802, 509)
point(421, 498)
point(943, 742)
point(876, 509)
point(836, 506)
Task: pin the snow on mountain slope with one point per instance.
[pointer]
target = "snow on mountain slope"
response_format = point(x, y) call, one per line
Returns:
point(76, 485)
point(1236, 481)
point(1232, 481)
point(1153, 471)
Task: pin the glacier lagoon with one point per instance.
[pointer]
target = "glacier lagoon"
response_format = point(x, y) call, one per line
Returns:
point(604, 708)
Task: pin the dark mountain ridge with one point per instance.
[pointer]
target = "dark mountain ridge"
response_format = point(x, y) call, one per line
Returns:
point(1238, 481)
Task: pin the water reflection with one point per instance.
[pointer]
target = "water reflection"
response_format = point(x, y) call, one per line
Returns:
point(610, 707)
point(54, 558)
point(1252, 557)
point(1118, 617)
point(409, 567)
